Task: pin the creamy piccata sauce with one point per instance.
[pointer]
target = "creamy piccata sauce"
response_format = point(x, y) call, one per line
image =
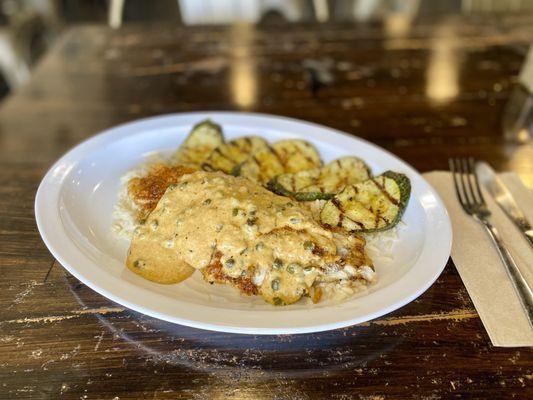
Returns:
point(238, 232)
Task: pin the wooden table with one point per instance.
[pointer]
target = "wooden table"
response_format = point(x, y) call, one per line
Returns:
point(434, 91)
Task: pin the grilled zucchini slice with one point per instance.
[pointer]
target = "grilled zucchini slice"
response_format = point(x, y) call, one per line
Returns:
point(261, 166)
point(374, 205)
point(321, 183)
point(285, 156)
point(297, 155)
point(229, 155)
point(203, 139)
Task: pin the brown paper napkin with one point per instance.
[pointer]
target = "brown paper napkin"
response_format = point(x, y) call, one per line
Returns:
point(480, 267)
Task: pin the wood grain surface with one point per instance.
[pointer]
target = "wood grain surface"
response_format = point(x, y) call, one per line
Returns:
point(435, 91)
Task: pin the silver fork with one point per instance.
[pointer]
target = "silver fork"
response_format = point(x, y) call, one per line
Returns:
point(471, 199)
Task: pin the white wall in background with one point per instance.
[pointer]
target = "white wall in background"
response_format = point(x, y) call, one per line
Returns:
point(196, 12)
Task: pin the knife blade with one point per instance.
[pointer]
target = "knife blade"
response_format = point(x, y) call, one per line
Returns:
point(504, 198)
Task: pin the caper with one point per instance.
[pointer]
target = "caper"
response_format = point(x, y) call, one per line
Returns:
point(278, 263)
point(230, 262)
point(274, 284)
point(259, 246)
point(291, 268)
point(308, 269)
point(251, 221)
point(154, 224)
point(235, 212)
point(206, 202)
point(294, 220)
point(139, 263)
point(277, 301)
point(308, 245)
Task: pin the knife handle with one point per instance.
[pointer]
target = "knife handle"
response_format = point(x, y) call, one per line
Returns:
point(519, 282)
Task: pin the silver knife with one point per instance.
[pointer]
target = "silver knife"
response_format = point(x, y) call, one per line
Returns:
point(504, 198)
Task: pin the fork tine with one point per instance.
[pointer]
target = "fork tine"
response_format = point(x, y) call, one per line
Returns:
point(455, 174)
point(476, 180)
point(465, 184)
point(469, 180)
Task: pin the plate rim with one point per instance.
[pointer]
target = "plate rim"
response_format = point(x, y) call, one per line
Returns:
point(120, 130)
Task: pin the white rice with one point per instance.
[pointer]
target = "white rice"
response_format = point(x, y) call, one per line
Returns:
point(380, 245)
point(125, 211)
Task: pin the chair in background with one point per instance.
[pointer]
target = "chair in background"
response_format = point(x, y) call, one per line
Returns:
point(26, 31)
point(123, 11)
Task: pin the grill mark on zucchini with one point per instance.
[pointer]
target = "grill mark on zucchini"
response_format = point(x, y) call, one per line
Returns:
point(354, 221)
point(385, 193)
point(342, 216)
point(208, 167)
point(337, 204)
point(255, 159)
point(275, 154)
point(380, 217)
point(219, 152)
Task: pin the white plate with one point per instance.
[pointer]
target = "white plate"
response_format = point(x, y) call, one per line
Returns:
point(74, 206)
